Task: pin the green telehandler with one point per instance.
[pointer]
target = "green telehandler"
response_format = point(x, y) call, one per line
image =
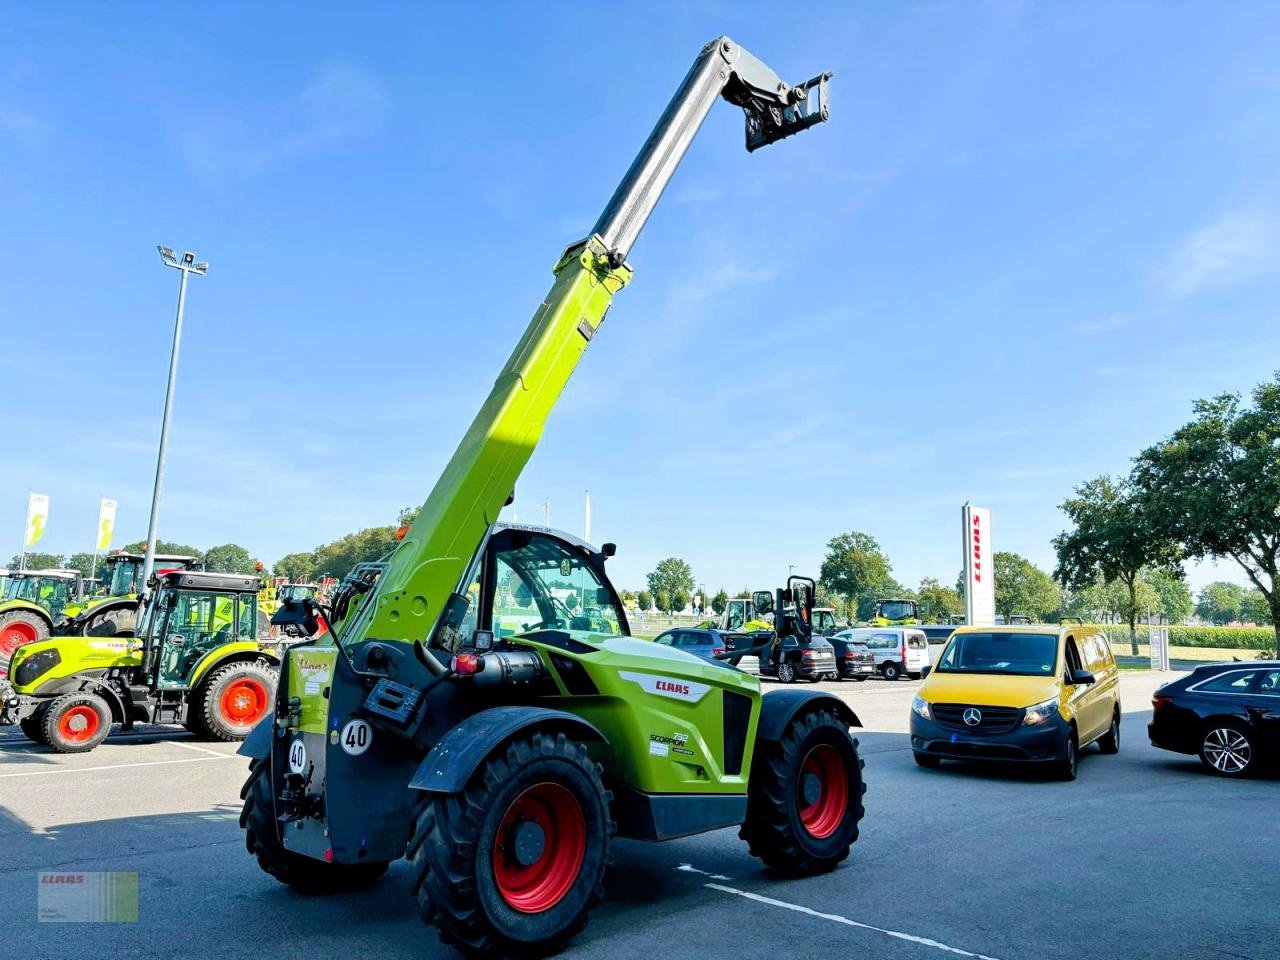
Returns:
point(460, 712)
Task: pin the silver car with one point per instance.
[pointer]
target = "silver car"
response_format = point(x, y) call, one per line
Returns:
point(898, 650)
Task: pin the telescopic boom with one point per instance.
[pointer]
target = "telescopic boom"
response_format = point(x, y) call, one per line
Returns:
point(433, 559)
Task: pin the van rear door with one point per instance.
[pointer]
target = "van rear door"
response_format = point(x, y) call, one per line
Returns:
point(917, 651)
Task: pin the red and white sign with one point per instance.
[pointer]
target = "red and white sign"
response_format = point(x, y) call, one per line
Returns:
point(979, 567)
point(675, 688)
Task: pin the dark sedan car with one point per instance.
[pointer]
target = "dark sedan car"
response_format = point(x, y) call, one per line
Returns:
point(854, 659)
point(1226, 713)
point(703, 643)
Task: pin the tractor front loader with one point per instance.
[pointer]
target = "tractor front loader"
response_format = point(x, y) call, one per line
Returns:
point(197, 661)
point(477, 703)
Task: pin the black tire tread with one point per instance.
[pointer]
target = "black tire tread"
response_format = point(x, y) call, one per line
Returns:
point(49, 718)
point(202, 718)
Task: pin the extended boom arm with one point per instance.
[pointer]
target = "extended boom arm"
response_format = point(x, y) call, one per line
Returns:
point(432, 560)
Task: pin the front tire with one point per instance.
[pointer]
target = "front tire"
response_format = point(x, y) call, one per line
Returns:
point(262, 840)
point(513, 864)
point(229, 704)
point(1109, 742)
point(1067, 766)
point(76, 722)
point(891, 671)
point(1227, 749)
point(804, 798)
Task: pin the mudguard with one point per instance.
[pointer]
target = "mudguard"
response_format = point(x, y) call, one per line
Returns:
point(778, 707)
point(458, 755)
point(257, 745)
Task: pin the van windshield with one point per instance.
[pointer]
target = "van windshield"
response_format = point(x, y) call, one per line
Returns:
point(1019, 654)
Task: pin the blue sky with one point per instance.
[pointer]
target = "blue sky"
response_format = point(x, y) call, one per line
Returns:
point(1029, 236)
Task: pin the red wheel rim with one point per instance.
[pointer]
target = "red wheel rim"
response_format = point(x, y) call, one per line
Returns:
point(14, 635)
point(79, 724)
point(540, 885)
point(823, 765)
point(244, 701)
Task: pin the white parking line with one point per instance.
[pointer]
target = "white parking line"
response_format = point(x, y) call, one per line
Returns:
point(192, 746)
point(116, 766)
point(836, 918)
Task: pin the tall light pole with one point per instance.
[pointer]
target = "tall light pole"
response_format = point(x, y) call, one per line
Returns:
point(187, 265)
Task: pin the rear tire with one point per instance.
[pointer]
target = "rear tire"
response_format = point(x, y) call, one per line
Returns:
point(229, 704)
point(891, 671)
point(1109, 742)
point(18, 628)
point(76, 723)
point(513, 864)
point(262, 840)
point(1227, 749)
point(804, 798)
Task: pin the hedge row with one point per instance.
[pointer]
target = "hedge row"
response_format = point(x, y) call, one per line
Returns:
point(1228, 638)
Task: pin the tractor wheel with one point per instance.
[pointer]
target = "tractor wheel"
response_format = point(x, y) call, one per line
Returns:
point(112, 623)
point(33, 726)
point(512, 864)
point(18, 627)
point(804, 798)
point(262, 839)
point(229, 704)
point(76, 722)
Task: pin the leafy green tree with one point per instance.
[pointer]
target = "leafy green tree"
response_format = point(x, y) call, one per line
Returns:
point(1254, 608)
point(644, 600)
point(829, 598)
point(671, 575)
point(336, 558)
point(938, 602)
point(37, 561)
point(720, 601)
point(662, 599)
point(1214, 485)
point(82, 562)
point(1219, 602)
point(855, 567)
point(679, 600)
point(229, 558)
point(1023, 588)
point(296, 567)
point(1113, 537)
point(743, 594)
point(1175, 596)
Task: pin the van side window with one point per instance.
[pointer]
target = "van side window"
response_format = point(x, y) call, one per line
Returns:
point(1072, 657)
point(1094, 656)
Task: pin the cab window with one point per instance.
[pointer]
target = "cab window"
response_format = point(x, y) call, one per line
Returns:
point(1071, 658)
point(248, 622)
point(543, 584)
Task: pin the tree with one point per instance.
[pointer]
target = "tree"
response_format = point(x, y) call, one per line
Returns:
point(679, 600)
point(82, 562)
point(662, 599)
point(1175, 596)
point(671, 575)
point(856, 568)
point(1254, 608)
point(720, 601)
point(37, 561)
point(1023, 588)
point(1219, 602)
point(644, 600)
point(165, 546)
point(229, 558)
point(296, 567)
point(1114, 537)
point(1214, 485)
point(937, 602)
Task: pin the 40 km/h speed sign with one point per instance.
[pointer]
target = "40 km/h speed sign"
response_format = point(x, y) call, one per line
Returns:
point(356, 737)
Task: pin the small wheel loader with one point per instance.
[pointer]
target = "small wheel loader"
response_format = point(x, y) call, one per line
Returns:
point(457, 710)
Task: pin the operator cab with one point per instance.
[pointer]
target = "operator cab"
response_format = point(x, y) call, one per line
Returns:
point(193, 614)
point(50, 589)
point(125, 577)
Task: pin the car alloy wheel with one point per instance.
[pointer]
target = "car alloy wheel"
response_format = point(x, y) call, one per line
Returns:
point(1228, 750)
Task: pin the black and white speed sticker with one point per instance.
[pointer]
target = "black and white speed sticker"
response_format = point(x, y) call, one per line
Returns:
point(356, 737)
point(297, 756)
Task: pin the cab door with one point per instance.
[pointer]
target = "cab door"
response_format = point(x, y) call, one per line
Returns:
point(1080, 697)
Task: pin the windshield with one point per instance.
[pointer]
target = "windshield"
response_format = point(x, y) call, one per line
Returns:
point(1018, 654)
point(897, 609)
point(48, 592)
point(295, 592)
point(123, 572)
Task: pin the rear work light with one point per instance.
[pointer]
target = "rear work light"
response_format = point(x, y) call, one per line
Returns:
point(466, 664)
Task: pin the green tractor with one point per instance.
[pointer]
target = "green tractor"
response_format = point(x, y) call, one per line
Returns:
point(460, 712)
point(33, 601)
point(113, 610)
point(895, 613)
point(197, 661)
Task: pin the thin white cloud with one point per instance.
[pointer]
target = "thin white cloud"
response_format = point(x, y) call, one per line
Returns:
point(1240, 245)
point(1107, 324)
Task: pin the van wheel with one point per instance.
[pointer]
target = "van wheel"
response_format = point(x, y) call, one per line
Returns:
point(1110, 741)
point(1066, 766)
point(891, 671)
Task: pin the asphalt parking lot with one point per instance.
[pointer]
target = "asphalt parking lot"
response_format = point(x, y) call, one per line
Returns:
point(1142, 856)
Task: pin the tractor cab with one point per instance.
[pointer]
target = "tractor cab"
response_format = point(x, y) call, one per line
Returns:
point(112, 610)
point(824, 621)
point(895, 613)
point(192, 614)
point(49, 589)
point(125, 571)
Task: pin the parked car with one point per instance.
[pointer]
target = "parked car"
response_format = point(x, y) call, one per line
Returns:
point(701, 642)
point(854, 659)
point(1226, 713)
point(898, 650)
point(789, 660)
point(1036, 694)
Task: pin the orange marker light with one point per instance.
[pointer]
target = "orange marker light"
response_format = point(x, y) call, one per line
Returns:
point(402, 532)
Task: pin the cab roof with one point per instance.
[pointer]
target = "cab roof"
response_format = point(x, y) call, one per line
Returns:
point(47, 574)
point(217, 582)
point(165, 557)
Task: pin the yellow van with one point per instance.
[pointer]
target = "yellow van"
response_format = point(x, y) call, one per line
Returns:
point(1033, 694)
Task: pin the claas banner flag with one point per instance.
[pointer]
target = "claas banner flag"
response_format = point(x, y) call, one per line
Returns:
point(37, 517)
point(106, 523)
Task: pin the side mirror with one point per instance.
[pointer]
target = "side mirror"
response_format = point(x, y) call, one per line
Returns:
point(1082, 678)
point(609, 549)
point(925, 671)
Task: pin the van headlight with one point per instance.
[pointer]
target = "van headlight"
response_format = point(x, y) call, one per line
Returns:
point(920, 707)
point(1040, 712)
